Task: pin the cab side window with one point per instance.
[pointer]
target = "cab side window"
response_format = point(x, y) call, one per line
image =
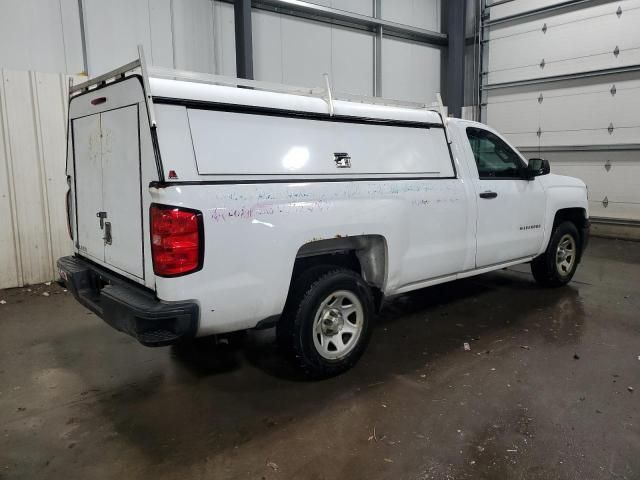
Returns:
point(494, 158)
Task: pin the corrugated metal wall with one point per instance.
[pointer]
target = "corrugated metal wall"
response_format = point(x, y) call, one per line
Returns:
point(33, 231)
point(586, 127)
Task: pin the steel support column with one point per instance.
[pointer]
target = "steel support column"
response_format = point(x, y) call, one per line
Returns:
point(83, 37)
point(377, 51)
point(455, 56)
point(244, 45)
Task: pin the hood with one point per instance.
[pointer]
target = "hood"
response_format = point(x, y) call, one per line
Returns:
point(554, 180)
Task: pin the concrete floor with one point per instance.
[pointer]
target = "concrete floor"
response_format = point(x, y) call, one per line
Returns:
point(543, 393)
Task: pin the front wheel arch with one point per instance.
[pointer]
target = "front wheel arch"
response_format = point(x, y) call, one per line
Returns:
point(577, 216)
point(547, 268)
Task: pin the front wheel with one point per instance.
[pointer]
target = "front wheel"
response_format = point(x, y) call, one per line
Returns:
point(557, 265)
point(327, 321)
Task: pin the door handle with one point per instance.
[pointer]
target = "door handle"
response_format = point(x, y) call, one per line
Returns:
point(488, 194)
point(101, 216)
point(107, 233)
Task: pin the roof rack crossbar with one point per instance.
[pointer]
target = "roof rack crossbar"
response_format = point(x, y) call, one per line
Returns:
point(326, 93)
point(318, 92)
point(85, 86)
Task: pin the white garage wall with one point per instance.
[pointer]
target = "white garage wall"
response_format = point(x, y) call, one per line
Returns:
point(298, 52)
point(417, 13)
point(192, 35)
point(32, 179)
point(410, 71)
point(363, 7)
point(588, 128)
point(40, 35)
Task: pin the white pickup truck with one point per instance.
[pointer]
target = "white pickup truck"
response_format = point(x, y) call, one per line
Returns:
point(201, 209)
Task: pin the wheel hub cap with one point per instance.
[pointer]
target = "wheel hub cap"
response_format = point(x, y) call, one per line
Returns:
point(562, 254)
point(331, 322)
point(565, 255)
point(338, 324)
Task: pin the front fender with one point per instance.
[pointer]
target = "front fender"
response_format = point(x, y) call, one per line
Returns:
point(562, 193)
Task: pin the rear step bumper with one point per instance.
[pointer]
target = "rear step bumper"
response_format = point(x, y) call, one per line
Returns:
point(128, 307)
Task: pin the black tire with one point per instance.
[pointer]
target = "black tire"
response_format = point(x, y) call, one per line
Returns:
point(295, 330)
point(545, 268)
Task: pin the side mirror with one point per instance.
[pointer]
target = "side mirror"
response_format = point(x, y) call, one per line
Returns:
point(537, 167)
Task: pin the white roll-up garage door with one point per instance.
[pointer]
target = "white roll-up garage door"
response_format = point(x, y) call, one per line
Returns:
point(564, 84)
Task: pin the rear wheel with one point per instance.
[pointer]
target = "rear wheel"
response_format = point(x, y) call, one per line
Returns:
point(326, 324)
point(557, 265)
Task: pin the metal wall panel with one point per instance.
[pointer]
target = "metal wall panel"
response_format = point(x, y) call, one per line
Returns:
point(224, 38)
point(298, 52)
point(160, 17)
point(195, 35)
point(113, 30)
point(417, 13)
point(352, 61)
point(32, 177)
point(193, 39)
point(363, 7)
point(410, 71)
point(306, 51)
point(40, 35)
point(267, 46)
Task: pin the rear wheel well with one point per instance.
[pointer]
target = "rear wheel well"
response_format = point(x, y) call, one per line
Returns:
point(363, 254)
point(346, 259)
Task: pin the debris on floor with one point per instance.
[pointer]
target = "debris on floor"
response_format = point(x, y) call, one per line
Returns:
point(467, 347)
point(45, 294)
point(630, 389)
point(4, 302)
point(273, 466)
point(576, 356)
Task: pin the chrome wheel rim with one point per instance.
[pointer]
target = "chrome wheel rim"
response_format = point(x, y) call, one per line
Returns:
point(565, 255)
point(338, 325)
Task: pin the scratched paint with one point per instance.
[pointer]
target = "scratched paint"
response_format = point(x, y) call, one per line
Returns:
point(263, 201)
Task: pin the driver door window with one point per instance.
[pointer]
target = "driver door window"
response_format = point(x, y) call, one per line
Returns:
point(494, 158)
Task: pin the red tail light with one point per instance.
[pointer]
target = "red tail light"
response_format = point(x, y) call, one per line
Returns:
point(177, 240)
